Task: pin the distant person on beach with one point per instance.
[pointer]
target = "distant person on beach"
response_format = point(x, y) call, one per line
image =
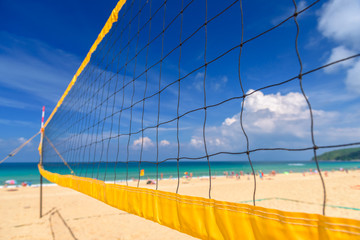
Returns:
point(261, 175)
point(150, 182)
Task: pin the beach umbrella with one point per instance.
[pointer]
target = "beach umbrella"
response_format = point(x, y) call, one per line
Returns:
point(11, 182)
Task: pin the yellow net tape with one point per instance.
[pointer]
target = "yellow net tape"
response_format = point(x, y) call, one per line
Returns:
point(108, 25)
point(209, 218)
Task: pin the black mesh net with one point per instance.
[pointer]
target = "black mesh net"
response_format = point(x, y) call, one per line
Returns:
point(168, 89)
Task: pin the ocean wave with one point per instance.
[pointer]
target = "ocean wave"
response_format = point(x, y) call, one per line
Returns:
point(296, 164)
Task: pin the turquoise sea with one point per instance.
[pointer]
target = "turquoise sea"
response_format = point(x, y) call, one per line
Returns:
point(109, 172)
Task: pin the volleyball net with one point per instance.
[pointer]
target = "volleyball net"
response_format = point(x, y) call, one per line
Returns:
point(161, 84)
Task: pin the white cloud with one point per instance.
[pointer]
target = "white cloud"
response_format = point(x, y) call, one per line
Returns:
point(229, 121)
point(211, 141)
point(164, 143)
point(145, 141)
point(216, 142)
point(289, 105)
point(269, 120)
point(273, 113)
point(284, 114)
point(353, 78)
point(337, 54)
point(340, 20)
point(196, 142)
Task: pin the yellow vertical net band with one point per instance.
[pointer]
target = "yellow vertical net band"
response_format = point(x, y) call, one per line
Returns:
point(208, 218)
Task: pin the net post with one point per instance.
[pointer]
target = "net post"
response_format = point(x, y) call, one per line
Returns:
point(41, 180)
point(41, 155)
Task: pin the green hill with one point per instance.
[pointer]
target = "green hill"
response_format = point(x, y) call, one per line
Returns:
point(346, 154)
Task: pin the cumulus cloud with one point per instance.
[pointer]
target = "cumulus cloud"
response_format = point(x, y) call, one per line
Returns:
point(289, 105)
point(145, 141)
point(164, 143)
point(229, 121)
point(275, 119)
point(196, 142)
point(353, 78)
point(339, 53)
point(339, 20)
point(274, 112)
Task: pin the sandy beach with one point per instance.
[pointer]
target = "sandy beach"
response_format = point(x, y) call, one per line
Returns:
point(72, 215)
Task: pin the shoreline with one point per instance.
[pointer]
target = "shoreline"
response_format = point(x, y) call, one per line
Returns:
point(28, 172)
point(265, 176)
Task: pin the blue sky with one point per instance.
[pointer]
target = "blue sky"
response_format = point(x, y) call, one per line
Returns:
point(43, 44)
